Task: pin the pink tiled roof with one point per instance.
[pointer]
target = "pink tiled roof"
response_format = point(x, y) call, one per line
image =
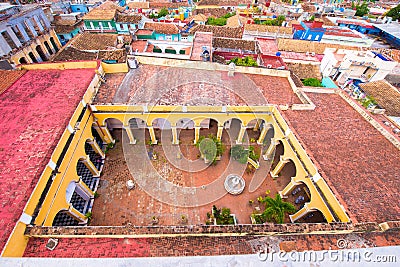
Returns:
point(35, 112)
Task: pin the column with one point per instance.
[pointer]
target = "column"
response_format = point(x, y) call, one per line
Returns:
point(107, 135)
point(45, 20)
point(85, 188)
point(268, 154)
point(96, 148)
point(274, 173)
point(31, 28)
point(241, 134)
point(196, 134)
point(152, 135)
point(289, 187)
point(303, 211)
point(89, 164)
point(219, 133)
point(128, 130)
point(4, 47)
point(23, 32)
point(175, 140)
point(14, 37)
point(38, 23)
point(263, 133)
point(76, 214)
point(56, 40)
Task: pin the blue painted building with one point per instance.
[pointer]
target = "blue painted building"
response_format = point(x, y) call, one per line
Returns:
point(311, 31)
point(81, 8)
point(163, 31)
point(390, 32)
point(359, 26)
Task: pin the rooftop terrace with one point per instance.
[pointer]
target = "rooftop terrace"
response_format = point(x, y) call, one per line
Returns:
point(360, 164)
point(196, 87)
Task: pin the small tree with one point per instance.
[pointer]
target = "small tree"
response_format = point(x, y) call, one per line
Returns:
point(275, 209)
point(362, 9)
point(394, 13)
point(246, 61)
point(163, 12)
point(239, 154)
point(312, 82)
point(210, 147)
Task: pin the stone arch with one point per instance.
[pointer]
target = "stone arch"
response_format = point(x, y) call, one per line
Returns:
point(185, 123)
point(64, 218)
point(39, 50)
point(23, 60)
point(208, 126)
point(314, 216)
point(161, 123)
point(254, 128)
point(279, 151)
point(33, 58)
point(162, 128)
point(46, 44)
point(88, 176)
point(54, 44)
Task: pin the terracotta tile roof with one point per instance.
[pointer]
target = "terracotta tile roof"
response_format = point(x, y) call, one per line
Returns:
point(236, 44)
point(159, 5)
point(214, 12)
point(200, 40)
point(133, 5)
point(304, 71)
point(8, 77)
point(266, 28)
point(308, 46)
point(234, 21)
point(144, 88)
point(119, 55)
point(67, 28)
point(200, 246)
point(159, 27)
point(198, 17)
point(219, 31)
point(387, 96)
point(35, 111)
point(360, 165)
point(105, 11)
point(94, 41)
point(223, 2)
point(72, 54)
point(128, 18)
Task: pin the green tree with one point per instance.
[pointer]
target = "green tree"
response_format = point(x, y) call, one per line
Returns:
point(362, 9)
point(394, 13)
point(210, 147)
point(246, 61)
point(276, 208)
point(312, 82)
point(163, 12)
point(239, 154)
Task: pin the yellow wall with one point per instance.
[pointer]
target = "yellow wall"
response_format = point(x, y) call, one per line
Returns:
point(115, 68)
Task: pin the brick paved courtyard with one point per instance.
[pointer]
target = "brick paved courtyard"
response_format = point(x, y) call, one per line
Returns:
point(117, 205)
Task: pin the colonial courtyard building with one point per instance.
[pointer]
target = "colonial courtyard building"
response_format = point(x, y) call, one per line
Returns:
point(113, 154)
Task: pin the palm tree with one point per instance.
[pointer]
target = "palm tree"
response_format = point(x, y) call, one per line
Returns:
point(275, 209)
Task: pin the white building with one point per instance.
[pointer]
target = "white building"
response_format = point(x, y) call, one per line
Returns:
point(367, 66)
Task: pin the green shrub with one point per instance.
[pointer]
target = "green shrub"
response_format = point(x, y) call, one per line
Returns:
point(312, 82)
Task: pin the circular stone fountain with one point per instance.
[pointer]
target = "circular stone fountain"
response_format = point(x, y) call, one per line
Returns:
point(234, 184)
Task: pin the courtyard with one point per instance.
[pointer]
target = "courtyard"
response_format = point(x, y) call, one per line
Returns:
point(174, 186)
